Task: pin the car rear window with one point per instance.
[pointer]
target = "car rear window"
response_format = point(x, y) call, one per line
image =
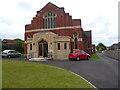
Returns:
point(5, 51)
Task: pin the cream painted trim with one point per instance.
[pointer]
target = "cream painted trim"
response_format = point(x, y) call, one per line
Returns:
point(79, 39)
point(28, 42)
point(68, 27)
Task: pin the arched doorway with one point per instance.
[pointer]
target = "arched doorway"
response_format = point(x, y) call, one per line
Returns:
point(43, 49)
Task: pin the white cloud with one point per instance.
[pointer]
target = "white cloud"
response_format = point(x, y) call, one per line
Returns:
point(25, 5)
point(11, 31)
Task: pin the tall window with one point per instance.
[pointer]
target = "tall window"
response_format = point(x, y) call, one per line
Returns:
point(65, 45)
point(50, 20)
point(76, 43)
point(30, 46)
point(76, 40)
point(88, 44)
point(58, 46)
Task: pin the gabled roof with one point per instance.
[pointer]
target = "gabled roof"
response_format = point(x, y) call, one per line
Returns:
point(11, 41)
point(49, 3)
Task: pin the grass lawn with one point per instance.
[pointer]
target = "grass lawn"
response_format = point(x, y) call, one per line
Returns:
point(21, 74)
point(94, 57)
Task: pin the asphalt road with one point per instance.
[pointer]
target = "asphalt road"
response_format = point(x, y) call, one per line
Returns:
point(101, 73)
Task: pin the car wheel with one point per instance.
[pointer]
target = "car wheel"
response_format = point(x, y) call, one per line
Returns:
point(9, 56)
point(19, 55)
point(88, 58)
point(78, 58)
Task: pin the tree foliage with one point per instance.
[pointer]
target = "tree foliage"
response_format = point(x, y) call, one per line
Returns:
point(4, 48)
point(20, 45)
point(100, 47)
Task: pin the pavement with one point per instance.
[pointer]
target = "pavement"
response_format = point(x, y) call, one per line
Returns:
point(101, 73)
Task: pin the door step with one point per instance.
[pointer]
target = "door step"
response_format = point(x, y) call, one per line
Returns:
point(40, 59)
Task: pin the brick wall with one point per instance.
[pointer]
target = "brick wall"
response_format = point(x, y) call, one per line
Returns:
point(62, 20)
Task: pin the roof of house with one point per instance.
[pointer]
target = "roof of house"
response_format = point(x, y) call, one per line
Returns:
point(9, 40)
point(115, 45)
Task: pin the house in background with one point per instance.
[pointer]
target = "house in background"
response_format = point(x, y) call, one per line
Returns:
point(9, 44)
point(53, 32)
point(115, 46)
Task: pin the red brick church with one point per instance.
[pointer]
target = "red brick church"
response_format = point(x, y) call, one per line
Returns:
point(53, 32)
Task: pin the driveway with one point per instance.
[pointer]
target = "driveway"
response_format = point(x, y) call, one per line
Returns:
point(101, 73)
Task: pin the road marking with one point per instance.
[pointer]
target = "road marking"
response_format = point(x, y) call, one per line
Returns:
point(79, 76)
point(84, 79)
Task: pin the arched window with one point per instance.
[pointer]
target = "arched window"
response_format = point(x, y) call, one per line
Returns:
point(42, 41)
point(50, 20)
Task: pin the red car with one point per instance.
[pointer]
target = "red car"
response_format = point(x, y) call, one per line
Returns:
point(78, 54)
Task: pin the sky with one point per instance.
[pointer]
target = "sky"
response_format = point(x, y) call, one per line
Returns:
point(100, 16)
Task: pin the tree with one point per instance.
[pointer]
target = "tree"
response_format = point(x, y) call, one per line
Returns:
point(20, 45)
point(100, 50)
point(100, 47)
point(4, 47)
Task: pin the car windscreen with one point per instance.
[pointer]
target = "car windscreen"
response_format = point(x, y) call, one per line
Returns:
point(73, 51)
point(82, 52)
point(11, 52)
